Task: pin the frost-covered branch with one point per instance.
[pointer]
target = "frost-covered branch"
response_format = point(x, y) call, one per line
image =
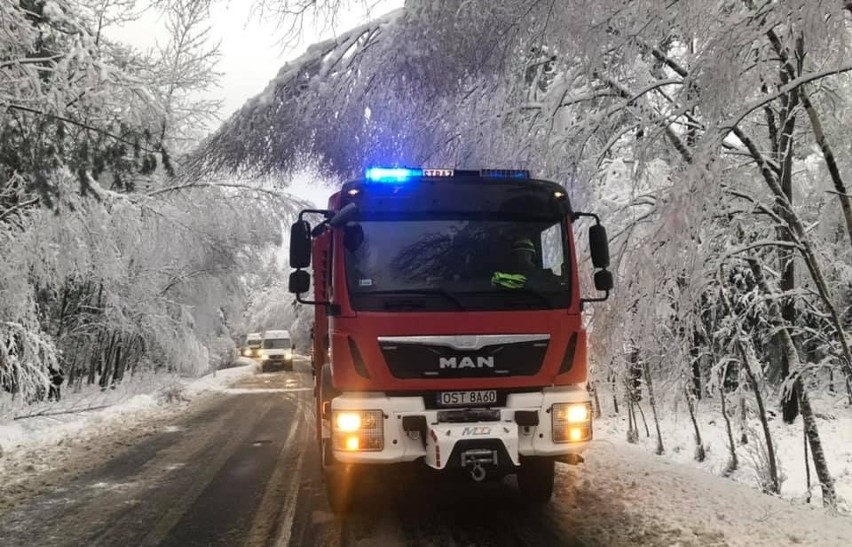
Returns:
point(733, 121)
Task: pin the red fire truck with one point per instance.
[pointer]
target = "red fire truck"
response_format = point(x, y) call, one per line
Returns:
point(448, 325)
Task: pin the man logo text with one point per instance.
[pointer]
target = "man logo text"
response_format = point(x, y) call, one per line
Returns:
point(466, 362)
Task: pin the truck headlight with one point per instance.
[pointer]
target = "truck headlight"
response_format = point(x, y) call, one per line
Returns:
point(358, 430)
point(572, 422)
point(347, 422)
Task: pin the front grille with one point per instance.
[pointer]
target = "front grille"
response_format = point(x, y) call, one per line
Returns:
point(468, 415)
point(436, 360)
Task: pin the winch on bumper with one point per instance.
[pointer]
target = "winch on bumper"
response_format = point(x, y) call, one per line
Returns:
point(377, 428)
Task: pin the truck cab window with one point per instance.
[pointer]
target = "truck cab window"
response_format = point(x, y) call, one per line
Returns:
point(453, 263)
point(552, 253)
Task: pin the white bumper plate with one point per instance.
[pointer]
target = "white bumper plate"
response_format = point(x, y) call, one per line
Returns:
point(443, 437)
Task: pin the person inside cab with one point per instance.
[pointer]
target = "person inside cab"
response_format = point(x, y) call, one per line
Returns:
point(523, 256)
point(523, 267)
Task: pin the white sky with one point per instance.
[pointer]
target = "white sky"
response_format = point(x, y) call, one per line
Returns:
point(251, 51)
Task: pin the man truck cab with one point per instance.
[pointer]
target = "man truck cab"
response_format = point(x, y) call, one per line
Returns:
point(252, 346)
point(276, 351)
point(444, 347)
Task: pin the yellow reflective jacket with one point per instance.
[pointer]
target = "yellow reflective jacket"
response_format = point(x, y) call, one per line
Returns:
point(510, 281)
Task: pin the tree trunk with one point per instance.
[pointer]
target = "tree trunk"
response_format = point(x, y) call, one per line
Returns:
point(632, 429)
point(614, 386)
point(774, 485)
point(807, 465)
point(634, 400)
point(700, 455)
point(820, 464)
point(743, 416)
point(596, 400)
point(733, 463)
point(660, 449)
point(829, 496)
point(695, 358)
point(789, 405)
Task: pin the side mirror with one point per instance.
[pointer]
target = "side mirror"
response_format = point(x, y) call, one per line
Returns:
point(599, 247)
point(300, 246)
point(300, 282)
point(603, 280)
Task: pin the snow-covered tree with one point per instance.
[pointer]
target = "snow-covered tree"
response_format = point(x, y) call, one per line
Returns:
point(707, 134)
point(113, 259)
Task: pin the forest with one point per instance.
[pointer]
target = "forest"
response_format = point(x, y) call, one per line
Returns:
point(712, 137)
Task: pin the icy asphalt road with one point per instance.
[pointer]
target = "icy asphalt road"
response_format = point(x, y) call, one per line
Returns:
point(241, 469)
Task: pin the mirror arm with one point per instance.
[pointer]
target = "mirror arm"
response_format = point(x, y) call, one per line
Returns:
point(576, 215)
point(327, 213)
point(324, 212)
point(584, 301)
point(333, 310)
point(598, 299)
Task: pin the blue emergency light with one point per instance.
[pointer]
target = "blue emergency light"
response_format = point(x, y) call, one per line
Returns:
point(505, 173)
point(404, 174)
point(391, 174)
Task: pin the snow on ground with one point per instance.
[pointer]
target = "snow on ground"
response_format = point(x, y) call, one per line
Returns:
point(42, 445)
point(834, 424)
point(93, 410)
point(661, 500)
point(624, 493)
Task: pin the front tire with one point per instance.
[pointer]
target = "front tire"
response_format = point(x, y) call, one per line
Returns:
point(535, 479)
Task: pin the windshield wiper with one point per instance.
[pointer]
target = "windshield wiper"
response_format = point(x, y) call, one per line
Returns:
point(419, 292)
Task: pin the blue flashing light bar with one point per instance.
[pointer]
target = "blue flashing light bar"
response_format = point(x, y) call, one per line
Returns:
point(391, 174)
point(404, 174)
point(505, 173)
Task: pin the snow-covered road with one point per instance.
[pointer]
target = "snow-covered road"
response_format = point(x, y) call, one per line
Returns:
point(240, 468)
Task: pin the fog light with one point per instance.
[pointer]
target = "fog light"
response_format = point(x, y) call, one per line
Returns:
point(572, 422)
point(352, 443)
point(358, 430)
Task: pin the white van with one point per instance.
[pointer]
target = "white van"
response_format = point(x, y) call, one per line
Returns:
point(276, 350)
point(252, 346)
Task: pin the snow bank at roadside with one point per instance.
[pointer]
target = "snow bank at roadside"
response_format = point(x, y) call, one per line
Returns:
point(834, 424)
point(655, 501)
point(79, 414)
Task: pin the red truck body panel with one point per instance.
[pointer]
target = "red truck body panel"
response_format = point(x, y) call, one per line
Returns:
point(364, 328)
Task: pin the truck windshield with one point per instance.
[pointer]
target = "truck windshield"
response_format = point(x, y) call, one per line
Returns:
point(276, 343)
point(453, 264)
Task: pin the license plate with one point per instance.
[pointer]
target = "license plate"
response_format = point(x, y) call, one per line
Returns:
point(466, 398)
